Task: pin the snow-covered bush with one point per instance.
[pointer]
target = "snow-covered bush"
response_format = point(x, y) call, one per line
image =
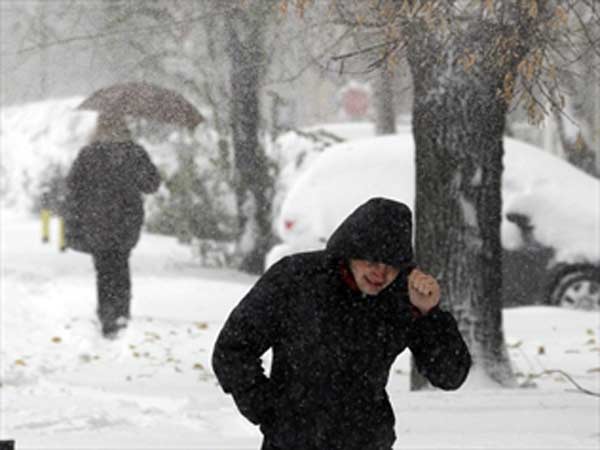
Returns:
point(51, 190)
point(196, 199)
point(294, 151)
point(39, 141)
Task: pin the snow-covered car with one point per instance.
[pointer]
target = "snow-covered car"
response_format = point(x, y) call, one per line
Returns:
point(551, 213)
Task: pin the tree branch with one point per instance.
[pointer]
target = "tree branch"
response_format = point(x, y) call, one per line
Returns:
point(570, 378)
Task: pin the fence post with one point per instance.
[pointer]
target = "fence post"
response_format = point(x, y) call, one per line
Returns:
point(45, 216)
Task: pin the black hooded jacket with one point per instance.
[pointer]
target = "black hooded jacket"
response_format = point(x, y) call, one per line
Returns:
point(104, 207)
point(333, 347)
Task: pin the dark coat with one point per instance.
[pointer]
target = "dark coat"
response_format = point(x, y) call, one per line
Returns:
point(104, 207)
point(333, 347)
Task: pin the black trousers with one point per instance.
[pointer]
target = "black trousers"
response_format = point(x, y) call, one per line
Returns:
point(113, 284)
point(268, 445)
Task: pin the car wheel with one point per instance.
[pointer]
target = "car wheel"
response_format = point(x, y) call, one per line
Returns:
point(578, 289)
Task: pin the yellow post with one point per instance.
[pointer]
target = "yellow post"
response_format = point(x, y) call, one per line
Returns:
point(62, 245)
point(45, 216)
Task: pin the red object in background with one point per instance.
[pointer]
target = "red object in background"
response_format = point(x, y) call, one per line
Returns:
point(355, 102)
point(288, 224)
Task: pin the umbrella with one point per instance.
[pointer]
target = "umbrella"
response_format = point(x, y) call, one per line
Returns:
point(144, 100)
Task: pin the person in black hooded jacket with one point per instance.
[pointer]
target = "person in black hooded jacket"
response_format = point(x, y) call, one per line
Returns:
point(336, 320)
point(104, 213)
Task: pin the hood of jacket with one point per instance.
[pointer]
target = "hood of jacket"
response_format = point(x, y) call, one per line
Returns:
point(379, 230)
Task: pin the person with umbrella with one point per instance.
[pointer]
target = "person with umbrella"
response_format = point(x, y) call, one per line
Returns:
point(104, 212)
point(104, 204)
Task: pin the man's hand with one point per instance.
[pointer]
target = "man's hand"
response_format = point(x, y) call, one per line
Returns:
point(423, 291)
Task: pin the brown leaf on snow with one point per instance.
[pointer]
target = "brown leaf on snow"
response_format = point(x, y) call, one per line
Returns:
point(56, 339)
point(20, 362)
point(152, 335)
point(541, 350)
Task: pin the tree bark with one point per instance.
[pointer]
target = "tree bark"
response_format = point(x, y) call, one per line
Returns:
point(245, 29)
point(458, 125)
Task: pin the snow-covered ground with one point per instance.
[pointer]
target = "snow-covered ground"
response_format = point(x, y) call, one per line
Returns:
point(65, 388)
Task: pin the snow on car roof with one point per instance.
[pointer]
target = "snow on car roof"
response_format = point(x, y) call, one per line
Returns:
point(561, 201)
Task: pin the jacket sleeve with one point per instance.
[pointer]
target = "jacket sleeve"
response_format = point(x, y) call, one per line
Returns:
point(439, 350)
point(250, 330)
point(75, 182)
point(78, 170)
point(146, 174)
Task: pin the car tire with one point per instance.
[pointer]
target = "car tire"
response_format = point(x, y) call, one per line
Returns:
point(577, 289)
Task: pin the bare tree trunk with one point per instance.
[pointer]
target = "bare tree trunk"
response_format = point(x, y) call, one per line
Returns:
point(458, 125)
point(245, 29)
point(596, 112)
point(385, 109)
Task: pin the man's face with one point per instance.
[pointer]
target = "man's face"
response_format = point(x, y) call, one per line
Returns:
point(372, 277)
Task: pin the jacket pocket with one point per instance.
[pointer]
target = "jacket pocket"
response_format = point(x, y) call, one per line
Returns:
point(289, 427)
point(257, 404)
